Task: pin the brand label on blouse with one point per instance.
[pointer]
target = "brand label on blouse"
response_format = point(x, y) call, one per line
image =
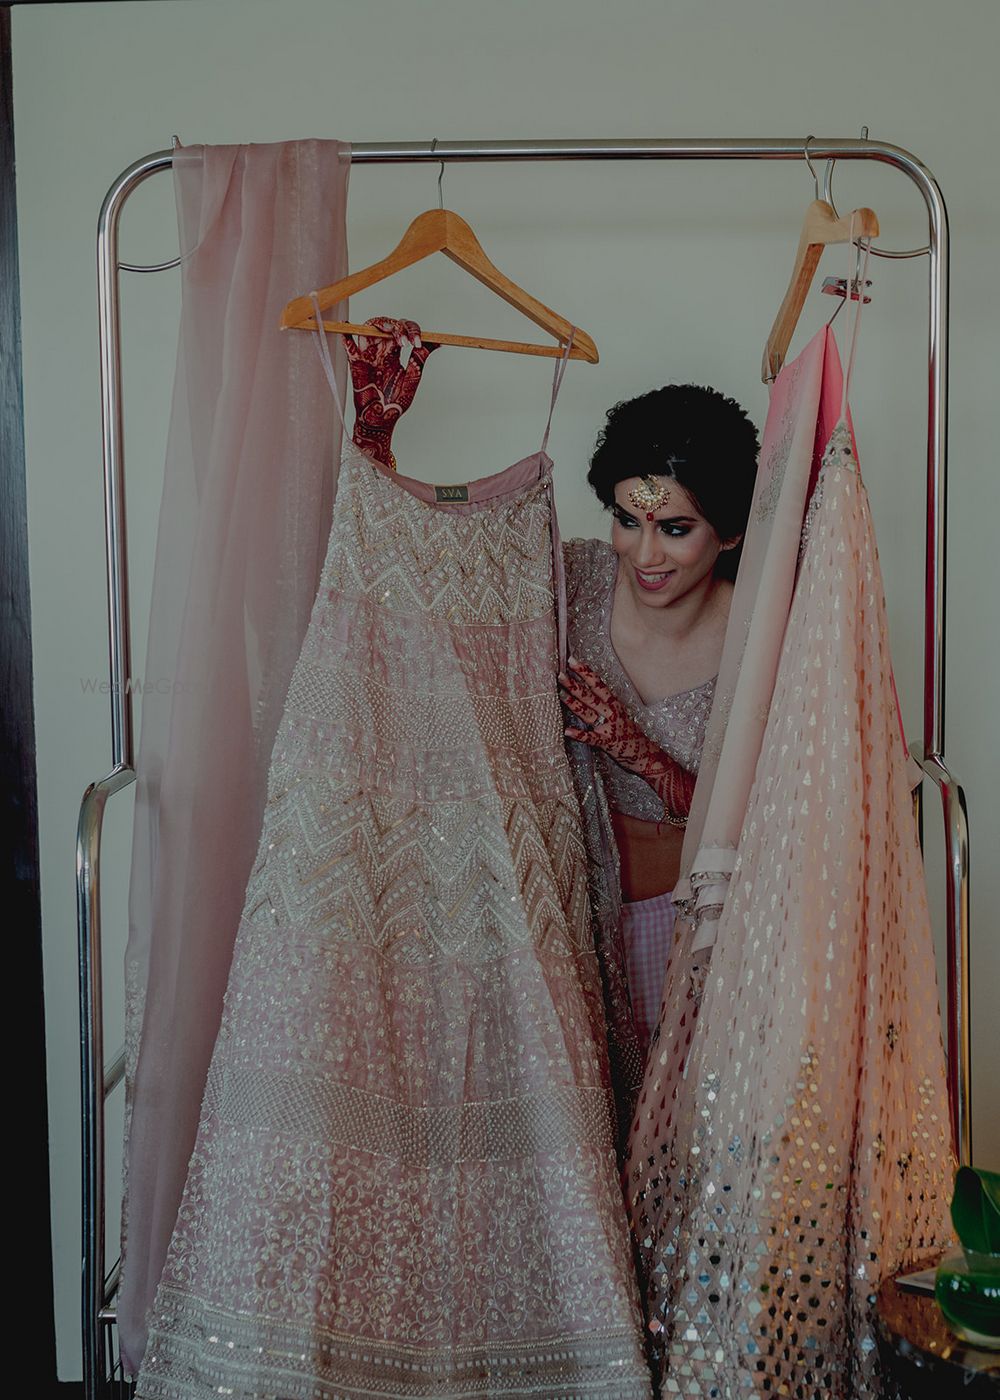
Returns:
point(451, 493)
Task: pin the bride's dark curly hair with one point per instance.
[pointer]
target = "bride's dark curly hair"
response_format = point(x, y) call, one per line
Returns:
point(696, 435)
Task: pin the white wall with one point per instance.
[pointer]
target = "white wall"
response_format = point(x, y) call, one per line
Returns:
point(675, 269)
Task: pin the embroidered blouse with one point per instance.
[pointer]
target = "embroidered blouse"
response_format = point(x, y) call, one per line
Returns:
point(676, 723)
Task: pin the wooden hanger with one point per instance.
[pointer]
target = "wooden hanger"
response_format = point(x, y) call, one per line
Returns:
point(441, 231)
point(820, 227)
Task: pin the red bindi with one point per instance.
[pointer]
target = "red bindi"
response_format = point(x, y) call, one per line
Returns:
point(649, 515)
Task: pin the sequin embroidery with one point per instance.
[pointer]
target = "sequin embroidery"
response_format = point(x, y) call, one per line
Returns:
point(405, 1181)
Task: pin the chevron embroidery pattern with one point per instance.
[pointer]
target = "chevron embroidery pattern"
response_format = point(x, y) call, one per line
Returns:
point(405, 1180)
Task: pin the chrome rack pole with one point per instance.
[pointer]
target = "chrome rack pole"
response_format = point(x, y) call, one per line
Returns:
point(96, 1082)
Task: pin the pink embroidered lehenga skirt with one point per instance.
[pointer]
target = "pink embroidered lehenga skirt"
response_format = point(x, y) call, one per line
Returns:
point(405, 1182)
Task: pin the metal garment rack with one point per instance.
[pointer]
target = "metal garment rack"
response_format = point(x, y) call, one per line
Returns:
point(101, 1378)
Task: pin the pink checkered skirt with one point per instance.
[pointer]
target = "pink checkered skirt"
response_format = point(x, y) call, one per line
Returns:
point(647, 935)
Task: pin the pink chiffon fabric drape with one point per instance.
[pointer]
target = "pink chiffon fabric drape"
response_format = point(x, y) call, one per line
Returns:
point(248, 490)
point(801, 417)
point(791, 1145)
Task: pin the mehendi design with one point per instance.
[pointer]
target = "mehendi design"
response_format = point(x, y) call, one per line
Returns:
point(612, 728)
point(383, 387)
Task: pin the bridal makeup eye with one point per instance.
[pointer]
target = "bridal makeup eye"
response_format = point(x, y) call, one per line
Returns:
point(675, 528)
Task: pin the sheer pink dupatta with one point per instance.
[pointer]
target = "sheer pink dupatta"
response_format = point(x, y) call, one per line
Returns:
point(248, 490)
point(801, 410)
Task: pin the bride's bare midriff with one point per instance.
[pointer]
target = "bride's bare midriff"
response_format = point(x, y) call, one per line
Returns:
point(650, 856)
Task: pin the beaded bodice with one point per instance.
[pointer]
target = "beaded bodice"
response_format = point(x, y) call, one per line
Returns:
point(677, 722)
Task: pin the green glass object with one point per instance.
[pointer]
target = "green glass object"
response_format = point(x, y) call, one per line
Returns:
point(967, 1286)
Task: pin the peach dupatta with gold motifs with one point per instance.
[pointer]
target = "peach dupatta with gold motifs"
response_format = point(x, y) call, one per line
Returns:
point(791, 1145)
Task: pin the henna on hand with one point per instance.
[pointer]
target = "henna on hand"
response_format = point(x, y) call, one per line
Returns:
point(383, 386)
point(613, 729)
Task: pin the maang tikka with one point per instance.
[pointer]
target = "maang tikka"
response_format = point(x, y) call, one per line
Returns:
point(650, 495)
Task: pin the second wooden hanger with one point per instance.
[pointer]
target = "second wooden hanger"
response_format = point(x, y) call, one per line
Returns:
point(820, 227)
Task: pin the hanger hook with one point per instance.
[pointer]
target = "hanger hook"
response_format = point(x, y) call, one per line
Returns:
point(828, 181)
point(440, 177)
point(812, 168)
point(875, 252)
